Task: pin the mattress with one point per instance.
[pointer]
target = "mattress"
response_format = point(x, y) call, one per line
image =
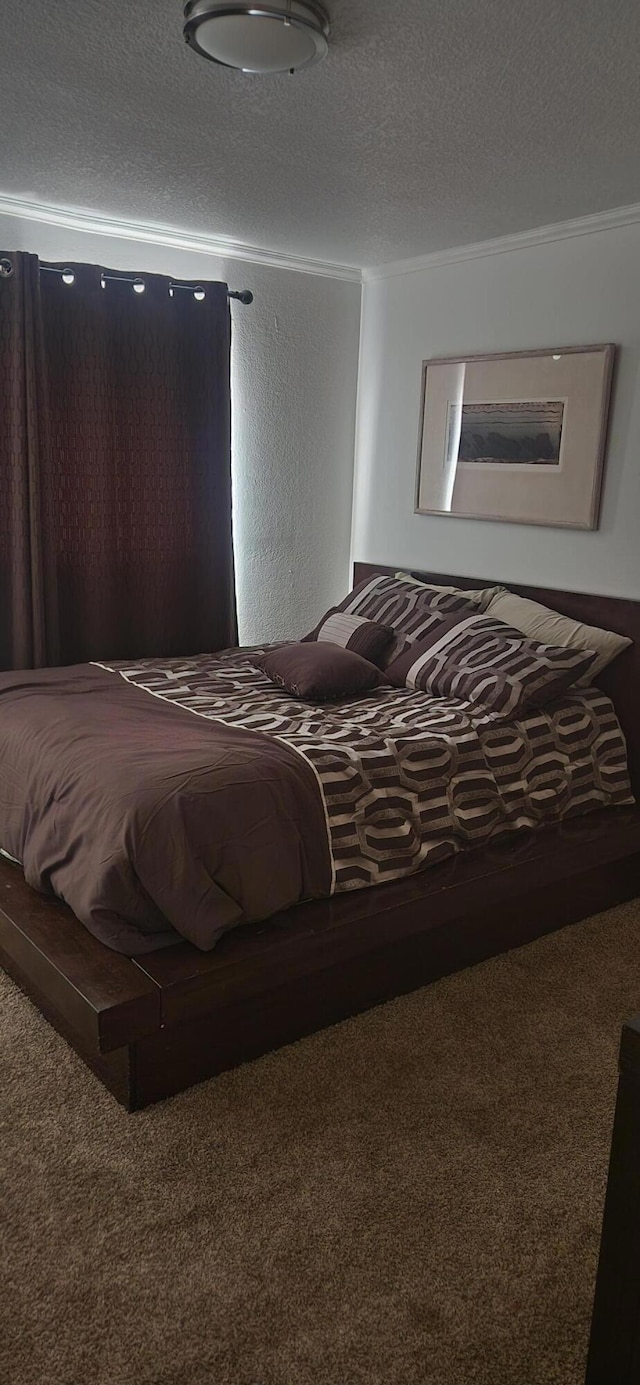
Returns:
point(182, 798)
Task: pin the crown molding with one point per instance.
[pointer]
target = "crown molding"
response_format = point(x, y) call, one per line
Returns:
point(74, 219)
point(150, 233)
point(520, 240)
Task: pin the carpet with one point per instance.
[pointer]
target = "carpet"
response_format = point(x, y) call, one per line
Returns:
point(412, 1197)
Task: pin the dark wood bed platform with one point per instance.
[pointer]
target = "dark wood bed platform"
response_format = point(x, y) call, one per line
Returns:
point(153, 1025)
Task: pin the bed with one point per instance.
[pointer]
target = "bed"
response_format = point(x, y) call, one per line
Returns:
point(168, 1008)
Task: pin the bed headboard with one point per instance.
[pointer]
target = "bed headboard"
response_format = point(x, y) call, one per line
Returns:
point(621, 681)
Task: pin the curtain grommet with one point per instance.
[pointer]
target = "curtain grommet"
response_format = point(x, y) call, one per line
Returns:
point(6, 269)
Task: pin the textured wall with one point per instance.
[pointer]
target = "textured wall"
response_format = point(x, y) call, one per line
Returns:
point(296, 366)
point(295, 361)
point(568, 293)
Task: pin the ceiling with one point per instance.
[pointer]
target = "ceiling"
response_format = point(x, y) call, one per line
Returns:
point(431, 123)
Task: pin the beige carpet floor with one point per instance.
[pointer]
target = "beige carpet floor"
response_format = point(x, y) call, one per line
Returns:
point(411, 1198)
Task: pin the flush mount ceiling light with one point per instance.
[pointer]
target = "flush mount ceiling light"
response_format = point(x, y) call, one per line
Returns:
point(282, 37)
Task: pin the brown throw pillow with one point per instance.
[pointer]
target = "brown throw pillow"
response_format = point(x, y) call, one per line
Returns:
point(320, 672)
point(483, 661)
point(365, 637)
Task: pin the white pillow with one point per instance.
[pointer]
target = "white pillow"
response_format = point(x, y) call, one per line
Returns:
point(482, 597)
point(549, 627)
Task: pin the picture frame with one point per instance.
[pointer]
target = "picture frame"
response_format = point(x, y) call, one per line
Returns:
point(517, 436)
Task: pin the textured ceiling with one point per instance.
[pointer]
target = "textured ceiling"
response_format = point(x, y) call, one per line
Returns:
point(431, 123)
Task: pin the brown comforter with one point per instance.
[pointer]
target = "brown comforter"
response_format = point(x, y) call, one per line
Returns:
point(187, 796)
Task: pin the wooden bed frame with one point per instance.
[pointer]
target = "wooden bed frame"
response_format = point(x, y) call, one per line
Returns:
point(152, 1025)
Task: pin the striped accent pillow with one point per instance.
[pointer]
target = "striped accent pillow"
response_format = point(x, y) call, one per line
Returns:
point(483, 661)
point(364, 637)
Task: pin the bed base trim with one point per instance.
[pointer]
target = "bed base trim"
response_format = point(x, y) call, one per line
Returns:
point(149, 1027)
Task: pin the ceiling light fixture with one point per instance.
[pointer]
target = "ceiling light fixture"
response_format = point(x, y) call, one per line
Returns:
point(282, 37)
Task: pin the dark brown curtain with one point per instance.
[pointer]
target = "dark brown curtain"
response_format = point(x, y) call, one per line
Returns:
point(28, 600)
point(115, 506)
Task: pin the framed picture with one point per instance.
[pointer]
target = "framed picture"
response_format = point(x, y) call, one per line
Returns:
point(518, 437)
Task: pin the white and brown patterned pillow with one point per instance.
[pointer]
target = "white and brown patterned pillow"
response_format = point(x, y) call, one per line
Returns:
point(481, 596)
point(364, 637)
point(485, 662)
point(408, 607)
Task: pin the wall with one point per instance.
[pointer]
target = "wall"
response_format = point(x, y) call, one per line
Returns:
point(569, 292)
point(294, 375)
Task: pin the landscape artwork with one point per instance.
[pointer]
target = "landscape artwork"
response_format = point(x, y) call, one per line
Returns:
point(520, 433)
point(518, 437)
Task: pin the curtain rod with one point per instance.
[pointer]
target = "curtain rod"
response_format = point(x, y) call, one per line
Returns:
point(244, 296)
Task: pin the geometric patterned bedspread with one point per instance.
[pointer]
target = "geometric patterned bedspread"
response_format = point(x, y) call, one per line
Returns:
point(407, 780)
